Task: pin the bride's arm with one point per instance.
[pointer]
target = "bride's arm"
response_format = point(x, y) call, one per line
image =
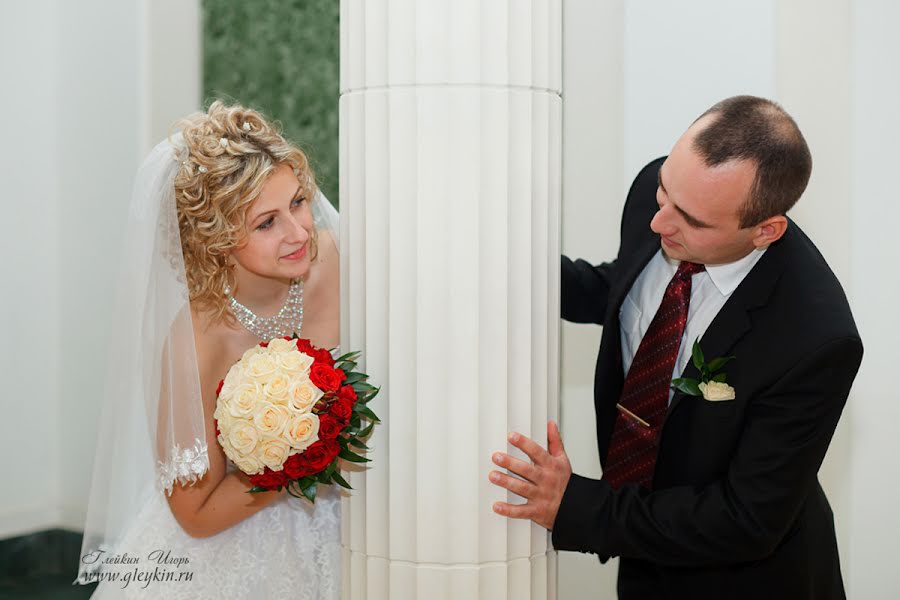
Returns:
point(220, 499)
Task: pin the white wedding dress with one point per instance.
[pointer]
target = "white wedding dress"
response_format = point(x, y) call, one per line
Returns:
point(290, 549)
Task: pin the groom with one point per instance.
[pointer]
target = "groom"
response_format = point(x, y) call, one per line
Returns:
point(706, 493)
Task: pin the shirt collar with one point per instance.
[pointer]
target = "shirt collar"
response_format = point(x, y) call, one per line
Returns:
point(726, 277)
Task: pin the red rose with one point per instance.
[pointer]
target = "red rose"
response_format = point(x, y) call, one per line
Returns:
point(324, 356)
point(319, 355)
point(319, 455)
point(329, 427)
point(269, 479)
point(324, 377)
point(218, 432)
point(347, 393)
point(341, 374)
point(294, 467)
point(341, 409)
point(264, 344)
point(219, 389)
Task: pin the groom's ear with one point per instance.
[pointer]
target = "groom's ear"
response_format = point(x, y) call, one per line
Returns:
point(769, 231)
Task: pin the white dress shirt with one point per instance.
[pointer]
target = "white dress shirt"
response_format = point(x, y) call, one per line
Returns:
point(710, 289)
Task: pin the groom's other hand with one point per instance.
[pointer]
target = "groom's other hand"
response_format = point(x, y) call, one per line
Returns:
point(542, 482)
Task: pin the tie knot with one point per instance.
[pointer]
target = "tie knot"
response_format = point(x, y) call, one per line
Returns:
point(687, 269)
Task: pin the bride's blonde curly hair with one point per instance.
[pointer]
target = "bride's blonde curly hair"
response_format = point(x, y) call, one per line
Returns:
point(229, 152)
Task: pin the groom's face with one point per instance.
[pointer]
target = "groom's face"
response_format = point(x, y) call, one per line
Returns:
point(698, 205)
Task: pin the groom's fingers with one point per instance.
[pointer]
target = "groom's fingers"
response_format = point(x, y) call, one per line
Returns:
point(519, 467)
point(534, 451)
point(554, 440)
point(513, 484)
point(514, 511)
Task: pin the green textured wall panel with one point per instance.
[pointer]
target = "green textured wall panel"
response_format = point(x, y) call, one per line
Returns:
point(280, 57)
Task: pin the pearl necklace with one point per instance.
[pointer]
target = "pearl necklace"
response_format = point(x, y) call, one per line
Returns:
point(288, 321)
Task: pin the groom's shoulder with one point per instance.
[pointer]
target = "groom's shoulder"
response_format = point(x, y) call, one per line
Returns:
point(808, 294)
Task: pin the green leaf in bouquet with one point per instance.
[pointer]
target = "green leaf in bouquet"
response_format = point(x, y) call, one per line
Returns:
point(338, 479)
point(357, 443)
point(323, 477)
point(367, 413)
point(347, 366)
point(365, 432)
point(687, 386)
point(309, 491)
point(256, 489)
point(364, 387)
point(355, 377)
point(352, 457)
point(348, 356)
point(720, 378)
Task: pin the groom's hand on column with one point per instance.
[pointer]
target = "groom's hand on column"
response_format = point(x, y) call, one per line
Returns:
point(542, 482)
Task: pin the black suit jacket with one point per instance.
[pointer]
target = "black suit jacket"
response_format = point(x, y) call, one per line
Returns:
point(736, 509)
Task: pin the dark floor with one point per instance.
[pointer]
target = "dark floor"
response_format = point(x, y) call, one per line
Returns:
point(42, 566)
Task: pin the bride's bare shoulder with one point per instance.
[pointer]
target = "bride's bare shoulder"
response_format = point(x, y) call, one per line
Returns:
point(212, 338)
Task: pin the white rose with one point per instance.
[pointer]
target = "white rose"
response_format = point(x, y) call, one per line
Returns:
point(250, 353)
point(272, 453)
point(226, 446)
point(302, 430)
point(220, 412)
point(716, 391)
point(244, 398)
point(261, 367)
point(249, 464)
point(276, 389)
point(279, 345)
point(270, 418)
point(242, 436)
point(295, 362)
point(303, 395)
point(232, 380)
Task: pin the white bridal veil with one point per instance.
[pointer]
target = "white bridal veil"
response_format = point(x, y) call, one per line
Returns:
point(152, 433)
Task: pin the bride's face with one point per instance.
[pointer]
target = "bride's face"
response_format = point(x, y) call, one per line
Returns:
point(279, 224)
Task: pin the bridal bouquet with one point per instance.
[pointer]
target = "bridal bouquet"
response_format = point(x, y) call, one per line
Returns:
point(287, 411)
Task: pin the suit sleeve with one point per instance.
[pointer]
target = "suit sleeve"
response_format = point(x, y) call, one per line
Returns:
point(585, 290)
point(743, 516)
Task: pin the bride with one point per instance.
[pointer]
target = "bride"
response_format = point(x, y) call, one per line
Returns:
point(229, 243)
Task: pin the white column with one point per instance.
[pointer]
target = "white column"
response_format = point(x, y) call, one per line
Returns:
point(450, 188)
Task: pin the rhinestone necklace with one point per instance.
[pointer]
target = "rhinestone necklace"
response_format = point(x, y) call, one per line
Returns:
point(288, 321)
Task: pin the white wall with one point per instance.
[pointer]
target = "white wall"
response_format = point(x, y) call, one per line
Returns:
point(635, 75)
point(874, 209)
point(88, 87)
point(30, 353)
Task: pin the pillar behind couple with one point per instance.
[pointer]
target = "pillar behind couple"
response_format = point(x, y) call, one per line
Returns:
point(226, 231)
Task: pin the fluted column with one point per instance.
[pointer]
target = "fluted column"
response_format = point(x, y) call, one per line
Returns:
point(450, 190)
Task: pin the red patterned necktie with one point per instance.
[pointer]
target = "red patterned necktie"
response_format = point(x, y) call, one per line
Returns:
point(645, 394)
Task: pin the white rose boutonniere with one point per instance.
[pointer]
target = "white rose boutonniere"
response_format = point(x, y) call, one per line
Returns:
point(711, 385)
point(714, 390)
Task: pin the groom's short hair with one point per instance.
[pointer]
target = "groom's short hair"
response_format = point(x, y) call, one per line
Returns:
point(757, 129)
